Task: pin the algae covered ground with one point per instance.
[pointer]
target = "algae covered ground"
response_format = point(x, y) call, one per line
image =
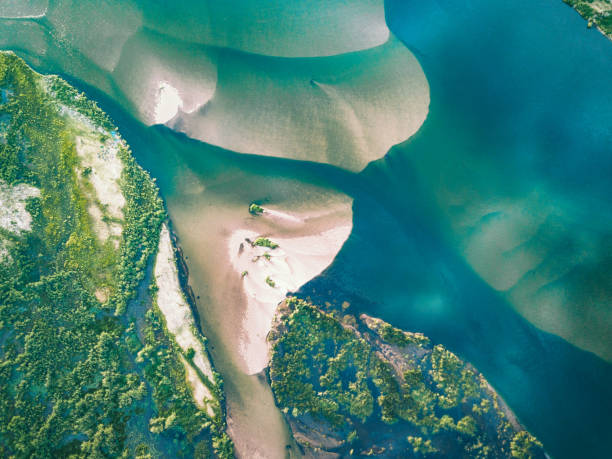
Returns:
point(358, 386)
point(88, 367)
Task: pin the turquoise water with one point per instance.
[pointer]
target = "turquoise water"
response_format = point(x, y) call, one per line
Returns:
point(521, 101)
point(520, 117)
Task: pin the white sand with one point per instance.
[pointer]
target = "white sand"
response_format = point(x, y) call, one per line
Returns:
point(178, 317)
point(275, 214)
point(106, 167)
point(13, 214)
point(292, 264)
point(198, 389)
point(168, 103)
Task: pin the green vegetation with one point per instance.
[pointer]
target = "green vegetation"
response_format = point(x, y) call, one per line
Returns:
point(399, 337)
point(143, 214)
point(270, 282)
point(265, 242)
point(255, 209)
point(596, 12)
point(524, 445)
point(86, 366)
point(70, 97)
point(421, 447)
point(361, 383)
point(177, 415)
point(307, 363)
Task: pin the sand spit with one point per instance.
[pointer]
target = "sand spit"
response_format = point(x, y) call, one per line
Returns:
point(205, 221)
point(179, 319)
point(13, 214)
point(269, 274)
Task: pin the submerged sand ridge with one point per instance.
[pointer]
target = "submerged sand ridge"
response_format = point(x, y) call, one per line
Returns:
point(320, 81)
point(345, 110)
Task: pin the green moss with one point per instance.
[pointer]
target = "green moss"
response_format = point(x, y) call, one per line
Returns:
point(467, 426)
point(455, 382)
point(399, 337)
point(420, 446)
point(525, 446)
point(320, 368)
point(78, 101)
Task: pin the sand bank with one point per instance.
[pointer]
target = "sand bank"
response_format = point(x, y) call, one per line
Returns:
point(168, 103)
point(101, 160)
point(13, 214)
point(268, 274)
point(321, 81)
point(179, 319)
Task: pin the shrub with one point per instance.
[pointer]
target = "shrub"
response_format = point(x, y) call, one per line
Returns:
point(265, 242)
point(255, 209)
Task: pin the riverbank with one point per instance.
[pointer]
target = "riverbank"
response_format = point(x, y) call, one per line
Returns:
point(89, 321)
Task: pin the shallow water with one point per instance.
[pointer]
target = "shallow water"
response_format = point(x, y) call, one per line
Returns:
point(515, 157)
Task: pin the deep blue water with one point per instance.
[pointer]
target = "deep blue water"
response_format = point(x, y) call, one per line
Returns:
point(524, 86)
